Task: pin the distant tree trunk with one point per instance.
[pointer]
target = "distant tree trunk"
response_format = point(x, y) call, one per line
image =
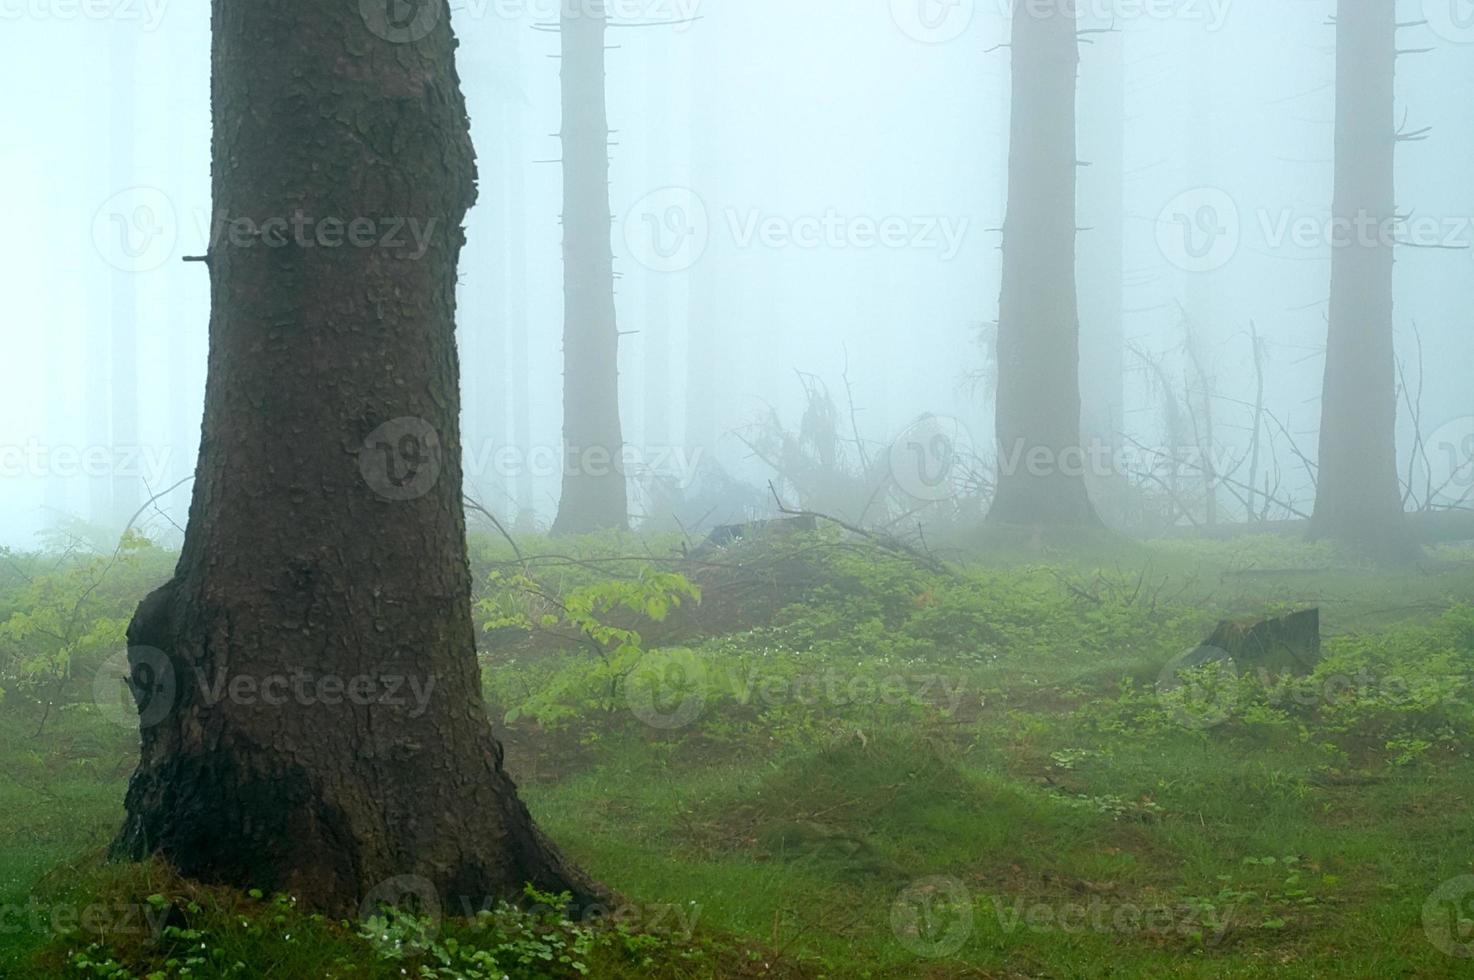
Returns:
point(706, 303)
point(188, 285)
point(482, 331)
point(1041, 460)
point(655, 338)
point(125, 493)
point(595, 496)
point(1358, 497)
point(97, 429)
point(311, 711)
point(1102, 202)
point(514, 136)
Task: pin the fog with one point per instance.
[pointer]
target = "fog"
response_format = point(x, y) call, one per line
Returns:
point(737, 488)
point(797, 189)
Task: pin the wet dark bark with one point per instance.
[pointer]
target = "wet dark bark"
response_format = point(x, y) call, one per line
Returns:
point(322, 549)
point(1358, 497)
point(1041, 460)
point(594, 493)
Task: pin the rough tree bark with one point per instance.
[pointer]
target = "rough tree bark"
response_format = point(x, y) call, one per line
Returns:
point(311, 709)
point(1041, 460)
point(1358, 496)
point(595, 496)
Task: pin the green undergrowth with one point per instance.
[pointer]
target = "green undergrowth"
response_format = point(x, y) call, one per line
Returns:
point(817, 758)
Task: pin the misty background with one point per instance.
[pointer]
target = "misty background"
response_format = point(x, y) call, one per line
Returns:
point(810, 188)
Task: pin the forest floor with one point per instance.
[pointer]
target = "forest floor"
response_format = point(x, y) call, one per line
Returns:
point(844, 762)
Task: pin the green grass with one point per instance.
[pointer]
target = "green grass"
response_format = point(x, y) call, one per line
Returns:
point(1054, 819)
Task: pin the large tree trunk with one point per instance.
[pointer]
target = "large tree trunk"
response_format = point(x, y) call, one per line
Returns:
point(311, 709)
point(1041, 460)
point(595, 496)
point(1358, 497)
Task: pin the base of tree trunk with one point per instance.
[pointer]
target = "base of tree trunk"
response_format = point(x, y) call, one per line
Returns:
point(1426, 527)
point(1062, 502)
point(1390, 541)
point(264, 796)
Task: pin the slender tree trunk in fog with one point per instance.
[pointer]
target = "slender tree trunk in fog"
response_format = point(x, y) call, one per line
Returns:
point(514, 137)
point(187, 285)
point(482, 330)
point(594, 492)
point(310, 704)
point(97, 388)
point(125, 494)
point(1102, 202)
point(705, 381)
point(655, 339)
point(1041, 460)
point(1358, 497)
